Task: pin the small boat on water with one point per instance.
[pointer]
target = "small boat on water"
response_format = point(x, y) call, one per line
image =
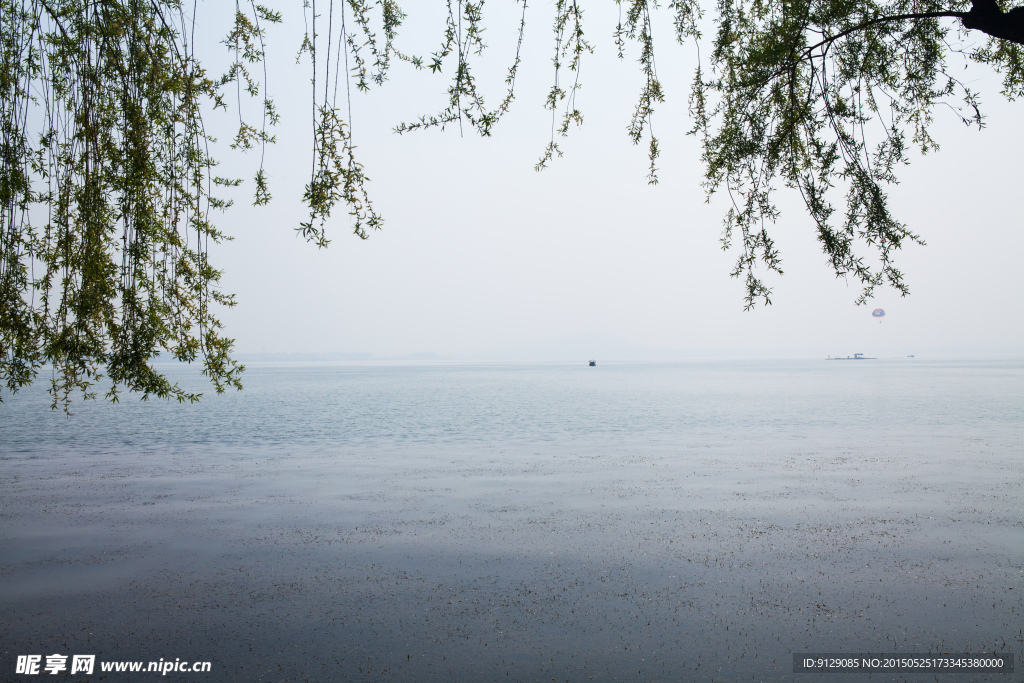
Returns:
point(856, 356)
point(593, 363)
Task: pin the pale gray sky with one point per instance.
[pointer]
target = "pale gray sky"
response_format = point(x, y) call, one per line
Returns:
point(481, 255)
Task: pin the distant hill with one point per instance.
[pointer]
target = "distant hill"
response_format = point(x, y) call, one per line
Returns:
point(300, 357)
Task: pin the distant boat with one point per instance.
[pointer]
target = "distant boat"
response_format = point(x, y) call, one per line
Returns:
point(910, 356)
point(593, 363)
point(856, 356)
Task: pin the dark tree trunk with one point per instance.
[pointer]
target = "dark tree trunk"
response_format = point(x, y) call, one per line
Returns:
point(986, 16)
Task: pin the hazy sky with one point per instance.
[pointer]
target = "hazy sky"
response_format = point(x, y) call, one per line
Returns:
point(481, 254)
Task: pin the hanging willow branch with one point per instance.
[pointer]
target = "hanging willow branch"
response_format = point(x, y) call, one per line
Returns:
point(105, 194)
point(823, 97)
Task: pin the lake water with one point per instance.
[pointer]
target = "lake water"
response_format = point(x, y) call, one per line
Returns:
point(633, 521)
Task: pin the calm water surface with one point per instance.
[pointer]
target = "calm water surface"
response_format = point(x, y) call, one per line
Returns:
point(327, 406)
point(700, 520)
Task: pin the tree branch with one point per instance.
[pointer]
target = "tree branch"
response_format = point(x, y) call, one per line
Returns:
point(880, 20)
point(808, 52)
